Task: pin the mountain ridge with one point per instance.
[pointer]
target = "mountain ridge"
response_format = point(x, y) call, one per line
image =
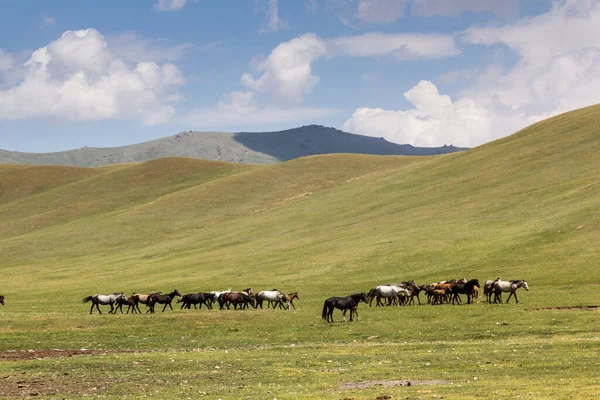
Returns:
point(240, 147)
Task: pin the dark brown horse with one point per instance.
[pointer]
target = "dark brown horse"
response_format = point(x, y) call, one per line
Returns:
point(2, 300)
point(197, 298)
point(132, 303)
point(464, 288)
point(344, 304)
point(165, 299)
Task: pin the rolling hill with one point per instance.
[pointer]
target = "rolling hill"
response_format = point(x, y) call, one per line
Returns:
point(243, 147)
point(523, 207)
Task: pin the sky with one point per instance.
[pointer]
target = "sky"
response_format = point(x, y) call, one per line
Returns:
point(424, 72)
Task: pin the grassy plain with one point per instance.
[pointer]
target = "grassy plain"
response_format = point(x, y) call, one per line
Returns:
point(524, 207)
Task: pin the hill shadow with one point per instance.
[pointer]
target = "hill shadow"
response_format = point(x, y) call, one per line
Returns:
point(316, 139)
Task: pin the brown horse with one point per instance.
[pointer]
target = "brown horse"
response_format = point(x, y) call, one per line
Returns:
point(143, 298)
point(165, 299)
point(241, 299)
point(290, 299)
point(131, 303)
point(2, 300)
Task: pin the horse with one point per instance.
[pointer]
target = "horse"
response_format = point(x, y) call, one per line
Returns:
point(344, 304)
point(131, 303)
point(464, 288)
point(271, 296)
point(217, 294)
point(2, 300)
point(143, 298)
point(103, 299)
point(488, 288)
point(236, 298)
point(509, 286)
point(290, 300)
point(384, 291)
point(414, 291)
point(165, 299)
point(196, 298)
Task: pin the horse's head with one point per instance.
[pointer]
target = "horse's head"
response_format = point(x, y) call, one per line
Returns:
point(363, 298)
point(525, 286)
point(176, 293)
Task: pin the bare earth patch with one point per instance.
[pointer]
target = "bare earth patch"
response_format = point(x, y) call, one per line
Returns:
point(597, 308)
point(392, 383)
point(19, 355)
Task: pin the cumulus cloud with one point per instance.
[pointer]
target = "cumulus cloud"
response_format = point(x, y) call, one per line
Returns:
point(273, 23)
point(169, 5)
point(283, 79)
point(78, 77)
point(558, 70)
point(434, 120)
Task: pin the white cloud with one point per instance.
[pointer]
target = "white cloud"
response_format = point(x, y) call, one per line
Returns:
point(274, 23)
point(434, 120)
point(285, 76)
point(169, 5)
point(78, 77)
point(401, 46)
point(558, 70)
point(287, 72)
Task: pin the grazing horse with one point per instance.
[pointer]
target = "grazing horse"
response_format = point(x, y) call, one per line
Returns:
point(344, 304)
point(103, 299)
point(131, 303)
point(464, 288)
point(2, 300)
point(165, 299)
point(271, 296)
point(196, 298)
point(508, 286)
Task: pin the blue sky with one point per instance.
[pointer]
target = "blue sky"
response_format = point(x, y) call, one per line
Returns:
point(424, 72)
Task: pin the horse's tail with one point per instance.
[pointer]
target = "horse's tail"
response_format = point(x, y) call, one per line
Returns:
point(86, 299)
point(324, 313)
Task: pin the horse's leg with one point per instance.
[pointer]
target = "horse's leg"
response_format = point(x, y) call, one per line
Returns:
point(344, 314)
point(92, 308)
point(419, 299)
point(98, 308)
point(292, 304)
point(171, 307)
point(165, 307)
point(509, 296)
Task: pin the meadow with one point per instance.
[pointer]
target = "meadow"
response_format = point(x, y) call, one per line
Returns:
point(523, 207)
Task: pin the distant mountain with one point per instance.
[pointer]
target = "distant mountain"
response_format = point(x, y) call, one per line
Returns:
point(242, 147)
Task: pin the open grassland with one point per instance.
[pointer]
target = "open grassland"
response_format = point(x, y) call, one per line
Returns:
point(524, 207)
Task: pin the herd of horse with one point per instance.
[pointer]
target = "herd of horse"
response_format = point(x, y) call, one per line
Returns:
point(225, 299)
point(404, 293)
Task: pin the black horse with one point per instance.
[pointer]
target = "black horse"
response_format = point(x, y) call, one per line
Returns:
point(344, 304)
point(2, 300)
point(197, 298)
point(464, 288)
point(165, 299)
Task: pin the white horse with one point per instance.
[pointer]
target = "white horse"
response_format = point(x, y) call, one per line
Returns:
point(389, 292)
point(272, 296)
point(508, 286)
point(104, 299)
point(216, 295)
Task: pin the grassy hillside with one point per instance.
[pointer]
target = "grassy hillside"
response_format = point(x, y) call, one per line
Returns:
point(524, 207)
point(242, 147)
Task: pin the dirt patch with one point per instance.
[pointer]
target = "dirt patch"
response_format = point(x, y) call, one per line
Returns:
point(19, 386)
point(597, 308)
point(19, 355)
point(392, 383)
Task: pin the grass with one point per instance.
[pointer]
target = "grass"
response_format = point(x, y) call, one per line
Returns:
point(523, 207)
